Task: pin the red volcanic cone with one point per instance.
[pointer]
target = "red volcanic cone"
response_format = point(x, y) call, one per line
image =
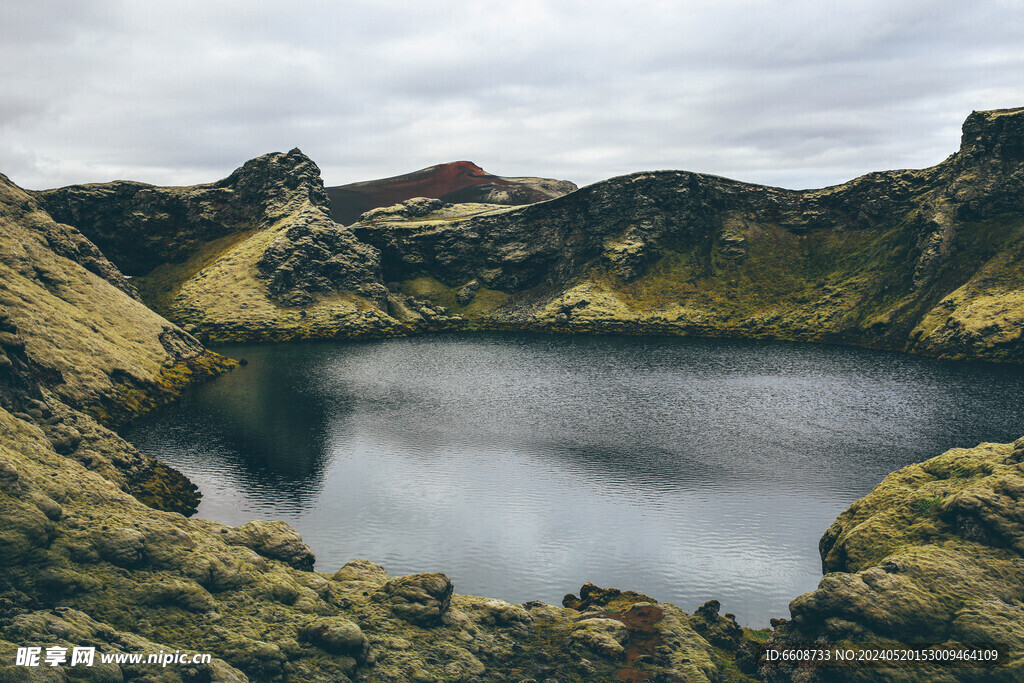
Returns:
point(456, 181)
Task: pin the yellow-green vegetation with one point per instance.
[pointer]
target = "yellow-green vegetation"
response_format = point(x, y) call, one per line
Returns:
point(420, 211)
point(820, 286)
point(984, 316)
point(76, 325)
point(76, 344)
point(430, 289)
point(932, 554)
point(218, 292)
point(159, 287)
point(854, 287)
point(485, 301)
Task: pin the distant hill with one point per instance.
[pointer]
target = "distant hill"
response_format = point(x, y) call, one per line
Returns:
point(455, 182)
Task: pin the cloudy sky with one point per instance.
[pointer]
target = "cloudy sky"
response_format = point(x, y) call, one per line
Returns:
point(798, 94)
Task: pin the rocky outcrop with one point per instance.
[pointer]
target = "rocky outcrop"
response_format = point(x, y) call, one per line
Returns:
point(273, 540)
point(253, 256)
point(314, 255)
point(933, 555)
point(457, 182)
point(142, 226)
point(422, 599)
point(637, 632)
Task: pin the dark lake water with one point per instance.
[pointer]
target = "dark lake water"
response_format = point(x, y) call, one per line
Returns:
point(523, 466)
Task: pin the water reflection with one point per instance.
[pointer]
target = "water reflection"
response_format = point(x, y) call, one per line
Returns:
point(523, 465)
point(266, 427)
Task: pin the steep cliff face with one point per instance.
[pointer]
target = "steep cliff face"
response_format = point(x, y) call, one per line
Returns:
point(457, 182)
point(926, 261)
point(253, 256)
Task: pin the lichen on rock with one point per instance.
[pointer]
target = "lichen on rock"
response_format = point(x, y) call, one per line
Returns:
point(932, 555)
point(420, 599)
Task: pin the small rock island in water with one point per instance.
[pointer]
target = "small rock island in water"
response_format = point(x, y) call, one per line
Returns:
point(97, 545)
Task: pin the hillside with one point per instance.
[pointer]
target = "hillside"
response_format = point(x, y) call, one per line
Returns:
point(457, 182)
point(254, 256)
point(77, 344)
point(96, 550)
point(926, 261)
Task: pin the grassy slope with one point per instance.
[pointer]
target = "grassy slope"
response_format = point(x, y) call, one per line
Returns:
point(218, 290)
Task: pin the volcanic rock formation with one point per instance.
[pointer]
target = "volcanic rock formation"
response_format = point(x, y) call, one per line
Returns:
point(253, 256)
point(457, 182)
point(95, 550)
point(94, 547)
point(926, 261)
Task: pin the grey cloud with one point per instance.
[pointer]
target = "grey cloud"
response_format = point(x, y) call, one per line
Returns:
point(797, 93)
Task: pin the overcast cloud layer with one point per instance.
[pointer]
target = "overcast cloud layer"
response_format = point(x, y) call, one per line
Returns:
point(797, 94)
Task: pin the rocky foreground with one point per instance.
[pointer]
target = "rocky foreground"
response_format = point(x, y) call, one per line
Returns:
point(95, 545)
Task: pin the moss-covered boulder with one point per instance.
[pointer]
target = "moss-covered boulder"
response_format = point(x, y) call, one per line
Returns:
point(275, 540)
point(932, 555)
point(420, 599)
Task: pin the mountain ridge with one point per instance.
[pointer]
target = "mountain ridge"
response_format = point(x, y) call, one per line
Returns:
point(914, 260)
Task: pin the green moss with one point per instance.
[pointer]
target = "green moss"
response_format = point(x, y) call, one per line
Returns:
point(129, 399)
point(484, 302)
point(757, 635)
point(928, 506)
point(159, 287)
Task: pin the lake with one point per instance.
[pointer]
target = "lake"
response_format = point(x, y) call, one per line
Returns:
point(524, 465)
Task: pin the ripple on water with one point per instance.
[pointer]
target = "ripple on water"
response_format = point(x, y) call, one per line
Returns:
point(523, 466)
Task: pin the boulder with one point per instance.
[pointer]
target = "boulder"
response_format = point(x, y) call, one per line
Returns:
point(275, 541)
point(336, 635)
point(420, 599)
point(364, 572)
point(606, 637)
point(124, 546)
